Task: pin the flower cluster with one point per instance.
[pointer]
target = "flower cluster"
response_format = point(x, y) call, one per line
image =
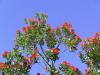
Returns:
point(92, 47)
point(68, 27)
point(6, 53)
point(91, 53)
point(70, 37)
point(3, 65)
point(34, 56)
point(28, 28)
point(17, 31)
point(66, 67)
point(55, 50)
point(95, 40)
point(53, 53)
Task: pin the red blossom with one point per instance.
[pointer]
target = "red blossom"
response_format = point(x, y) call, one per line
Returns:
point(17, 31)
point(74, 68)
point(51, 30)
point(55, 50)
point(78, 37)
point(6, 53)
point(83, 45)
point(68, 27)
point(90, 39)
point(95, 39)
point(31, 27)
point(34, 56)
point(32, 20)
point(65, 63)
point(25, 29)
point(75, 73)
point(3, 66)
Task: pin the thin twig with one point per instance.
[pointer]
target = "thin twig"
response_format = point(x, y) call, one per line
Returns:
point(59, 43)
point(44, 59)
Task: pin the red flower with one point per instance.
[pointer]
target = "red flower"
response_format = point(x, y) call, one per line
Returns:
point(6, 53)
point(35, 55)
point(68, 27)
point(17, 31)
point(31, 27)
point(74, 68)
point(51, 30)
point(55, 50)
point(68, 64)
point(65, 63)
point(91, 39)
point(3, 66)
point(32, 20)
point(83, 45)
point(25, 29)
point(78, 37)
point(75, 73)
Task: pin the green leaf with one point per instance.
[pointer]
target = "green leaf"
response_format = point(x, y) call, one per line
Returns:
point(47, 28)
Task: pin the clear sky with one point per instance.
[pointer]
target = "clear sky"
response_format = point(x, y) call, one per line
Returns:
point(84, 15)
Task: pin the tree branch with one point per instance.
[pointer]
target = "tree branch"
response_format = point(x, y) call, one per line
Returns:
point(44, 59)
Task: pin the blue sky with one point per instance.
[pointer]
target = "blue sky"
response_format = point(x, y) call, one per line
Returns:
point(82, 14)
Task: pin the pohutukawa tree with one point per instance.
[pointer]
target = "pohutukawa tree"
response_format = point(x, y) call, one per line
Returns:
point(29, 49)
point(91, 54)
